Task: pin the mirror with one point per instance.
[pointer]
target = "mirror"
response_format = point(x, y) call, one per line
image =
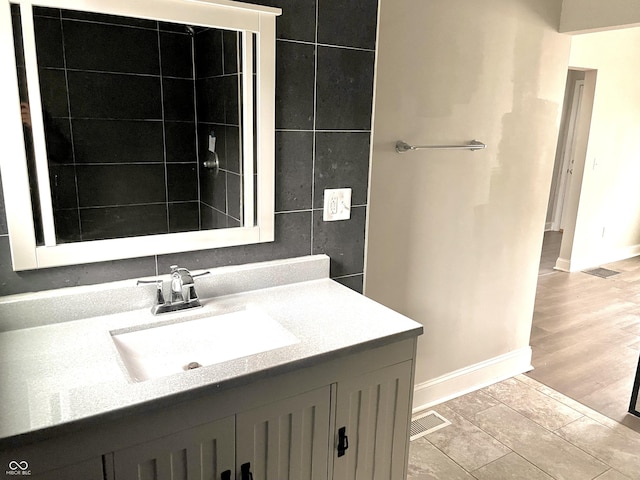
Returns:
point(140, 134)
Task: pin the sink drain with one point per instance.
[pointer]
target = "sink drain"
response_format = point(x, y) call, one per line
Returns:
point(192, 365)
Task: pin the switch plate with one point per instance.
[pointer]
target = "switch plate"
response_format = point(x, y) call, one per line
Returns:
point(337, 204)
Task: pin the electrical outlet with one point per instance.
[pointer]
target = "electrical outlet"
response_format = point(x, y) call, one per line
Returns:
point(337, 204)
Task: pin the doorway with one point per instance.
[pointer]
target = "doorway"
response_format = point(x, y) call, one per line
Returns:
point(568, 168)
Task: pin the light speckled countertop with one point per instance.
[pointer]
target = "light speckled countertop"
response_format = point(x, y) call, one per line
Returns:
point(68, 372)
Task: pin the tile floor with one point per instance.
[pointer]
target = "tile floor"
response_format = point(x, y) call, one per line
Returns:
point(521, 429)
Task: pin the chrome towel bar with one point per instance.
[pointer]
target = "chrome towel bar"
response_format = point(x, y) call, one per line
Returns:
point(473, 145)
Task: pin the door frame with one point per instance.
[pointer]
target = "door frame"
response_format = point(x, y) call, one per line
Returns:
point(558, 220)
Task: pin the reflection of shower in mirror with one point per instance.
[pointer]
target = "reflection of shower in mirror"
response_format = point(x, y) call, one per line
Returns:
point(122, 131)
point(106, 160)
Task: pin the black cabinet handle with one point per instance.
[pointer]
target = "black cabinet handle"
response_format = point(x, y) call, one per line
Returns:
point(343, 441)
point(226, 475)
point(245, 471)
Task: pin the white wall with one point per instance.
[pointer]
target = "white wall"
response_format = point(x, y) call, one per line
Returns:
point(590, 15)
point(454, 237)
point(610, 195)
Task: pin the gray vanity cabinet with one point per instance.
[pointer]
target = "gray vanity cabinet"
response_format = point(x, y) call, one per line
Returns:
point(199, 453)
point(354, 429)
point(285, 440)
point(373, 409)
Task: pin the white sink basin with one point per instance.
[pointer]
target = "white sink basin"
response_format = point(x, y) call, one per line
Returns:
point(163, 350)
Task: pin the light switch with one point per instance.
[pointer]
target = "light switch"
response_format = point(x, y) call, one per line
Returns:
point(337, 204)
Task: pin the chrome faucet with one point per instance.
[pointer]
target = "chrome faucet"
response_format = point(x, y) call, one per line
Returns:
point(183, 291)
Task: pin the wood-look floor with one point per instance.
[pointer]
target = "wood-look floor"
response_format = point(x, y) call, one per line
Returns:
point(586, 334)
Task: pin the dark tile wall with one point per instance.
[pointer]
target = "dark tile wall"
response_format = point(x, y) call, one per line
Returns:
point(324, 82)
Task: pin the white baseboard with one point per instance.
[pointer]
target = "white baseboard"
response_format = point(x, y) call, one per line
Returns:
point(563, 265)
point(471, 378)
point(594, 262)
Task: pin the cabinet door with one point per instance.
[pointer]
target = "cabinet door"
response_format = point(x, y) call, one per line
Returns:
point(286, 440)
point(374, 411)
point(199, 453)
point(88, 470)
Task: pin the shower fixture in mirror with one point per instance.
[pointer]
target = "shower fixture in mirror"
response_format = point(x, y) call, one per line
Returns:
point(135, 128)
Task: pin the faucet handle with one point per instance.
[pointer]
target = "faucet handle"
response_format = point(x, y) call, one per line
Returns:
point(159, 294)
point(201, 274)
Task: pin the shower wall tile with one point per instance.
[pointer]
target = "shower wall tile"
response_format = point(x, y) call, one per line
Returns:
point(63, 186)
point(232, 148)
point(335, 23)
point(107, 185)
point(178, 99)
point(295, 74)
point(108, 95)
point(297, 21)
point(345, 89)
point(209, 59)
point(180, 141)
point(182, 182)
point(53, 91)
point(230, 57)
point(218, 190)
point(343, 241)
point(58, 140)
point(175, 53)
point(110, 48)
point(123, 141)
point(294, 170)
point(49, 42)
point(210, 107)
point(230, 93)
point(342, 161)
point(234, 190)
point(67, 224)
point(123, 221)
point(184, 217)
point(354, 282)
point(109, 19)
point(42, 11)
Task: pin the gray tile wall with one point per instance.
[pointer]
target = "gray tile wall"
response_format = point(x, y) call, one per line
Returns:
point(324, 89)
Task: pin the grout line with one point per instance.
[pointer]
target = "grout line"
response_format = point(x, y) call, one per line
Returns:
point(73, 147)
point(195, 127)
point(446, 455)
point(315, 115)
point(500, 458)
point(546, 429)
point(164, 132)
point(347, 276)
point(330, 45)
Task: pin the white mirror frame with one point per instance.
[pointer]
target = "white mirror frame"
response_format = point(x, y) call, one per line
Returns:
point(226, 14)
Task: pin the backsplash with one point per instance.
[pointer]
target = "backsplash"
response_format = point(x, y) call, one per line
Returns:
point(325, 57)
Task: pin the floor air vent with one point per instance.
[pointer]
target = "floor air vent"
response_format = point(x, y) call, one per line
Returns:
point(427, 422)
point(602, 272)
